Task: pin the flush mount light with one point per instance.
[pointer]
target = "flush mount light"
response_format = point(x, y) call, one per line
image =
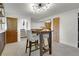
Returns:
point(40, 7)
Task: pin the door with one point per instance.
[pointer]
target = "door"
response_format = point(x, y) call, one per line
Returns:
point(11, 33)
point(56, 29)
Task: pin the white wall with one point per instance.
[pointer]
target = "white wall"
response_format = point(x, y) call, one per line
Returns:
point(69, 27)
point(37, 25)
point(27, 23)
point(20, 25)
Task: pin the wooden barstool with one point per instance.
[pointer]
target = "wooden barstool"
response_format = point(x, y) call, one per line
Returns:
point(31, 41)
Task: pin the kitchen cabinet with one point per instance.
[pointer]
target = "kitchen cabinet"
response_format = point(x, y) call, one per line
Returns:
point(2, 41)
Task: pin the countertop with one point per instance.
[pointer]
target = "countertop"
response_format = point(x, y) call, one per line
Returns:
point(1, 31)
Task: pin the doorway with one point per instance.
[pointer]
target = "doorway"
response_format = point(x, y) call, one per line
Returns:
point(56, 29)
point(11, 33)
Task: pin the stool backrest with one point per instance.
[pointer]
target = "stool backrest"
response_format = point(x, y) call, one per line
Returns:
point(29, 35)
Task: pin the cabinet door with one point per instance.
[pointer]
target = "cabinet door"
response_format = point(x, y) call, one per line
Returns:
point(2, 41)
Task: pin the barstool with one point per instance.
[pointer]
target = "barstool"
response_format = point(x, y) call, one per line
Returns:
point(32, 40)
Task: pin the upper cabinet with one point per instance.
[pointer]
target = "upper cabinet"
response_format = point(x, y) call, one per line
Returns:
point(2, 12)
point(2, 17)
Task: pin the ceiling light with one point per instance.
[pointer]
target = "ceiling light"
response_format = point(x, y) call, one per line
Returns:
point(40, 7)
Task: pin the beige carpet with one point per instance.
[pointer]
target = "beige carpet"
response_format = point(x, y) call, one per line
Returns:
point(18, 49)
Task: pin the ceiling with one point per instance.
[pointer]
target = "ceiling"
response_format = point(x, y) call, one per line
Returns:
point(23, 10)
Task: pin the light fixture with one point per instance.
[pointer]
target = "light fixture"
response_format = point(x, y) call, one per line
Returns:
point(40, 7)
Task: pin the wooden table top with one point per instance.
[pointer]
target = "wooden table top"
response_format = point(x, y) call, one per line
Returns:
point(40, 31)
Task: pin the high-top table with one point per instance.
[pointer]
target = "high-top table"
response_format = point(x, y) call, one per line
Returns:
point(40, 33)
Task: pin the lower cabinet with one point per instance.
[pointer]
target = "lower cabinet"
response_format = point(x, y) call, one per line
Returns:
point(2, 42)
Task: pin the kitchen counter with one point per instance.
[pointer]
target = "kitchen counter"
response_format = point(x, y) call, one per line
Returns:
point(1, 31)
